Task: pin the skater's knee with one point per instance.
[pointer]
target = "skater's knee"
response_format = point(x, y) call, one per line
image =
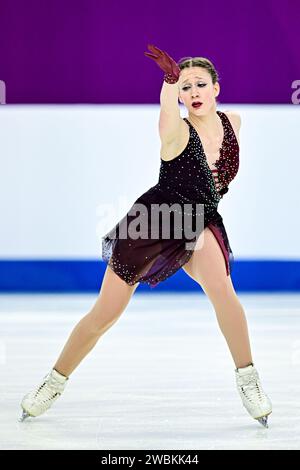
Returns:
point(220, 288)
point(101, 320)
point(112, 301)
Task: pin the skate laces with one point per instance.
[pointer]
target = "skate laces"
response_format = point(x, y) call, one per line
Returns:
point(251, 387)
point(49, 389)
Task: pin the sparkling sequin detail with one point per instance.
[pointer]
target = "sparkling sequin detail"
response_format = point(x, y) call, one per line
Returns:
point(169, 78)
point(187, 179)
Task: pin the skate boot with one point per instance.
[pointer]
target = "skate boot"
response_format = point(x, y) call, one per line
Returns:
point(39, 400)
point(253, 397)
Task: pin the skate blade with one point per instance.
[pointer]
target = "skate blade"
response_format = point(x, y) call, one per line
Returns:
point(263, 420)
point(24, 416)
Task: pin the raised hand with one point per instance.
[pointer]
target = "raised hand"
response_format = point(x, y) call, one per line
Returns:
point(165, 62)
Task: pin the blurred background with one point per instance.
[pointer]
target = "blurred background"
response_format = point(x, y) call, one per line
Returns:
point(80, 142)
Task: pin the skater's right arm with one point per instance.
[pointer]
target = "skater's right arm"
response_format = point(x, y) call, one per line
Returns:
point(169, 119)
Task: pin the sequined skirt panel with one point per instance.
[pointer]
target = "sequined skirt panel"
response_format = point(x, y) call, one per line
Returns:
point(152, 260)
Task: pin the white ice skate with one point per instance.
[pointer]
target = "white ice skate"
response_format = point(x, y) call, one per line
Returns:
point(39, 400)
point(254, 398)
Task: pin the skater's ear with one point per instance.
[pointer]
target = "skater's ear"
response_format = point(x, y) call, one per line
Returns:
point(217, 89)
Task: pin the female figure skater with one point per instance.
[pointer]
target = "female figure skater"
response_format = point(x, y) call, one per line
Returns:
point(199, 158)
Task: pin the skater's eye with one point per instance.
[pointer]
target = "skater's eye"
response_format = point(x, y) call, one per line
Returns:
point(201, 85)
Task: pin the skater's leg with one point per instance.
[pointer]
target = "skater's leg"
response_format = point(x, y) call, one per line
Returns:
point(112, 300)
point(207, 267)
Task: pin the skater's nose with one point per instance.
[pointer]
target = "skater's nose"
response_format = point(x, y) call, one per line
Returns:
point(195, 91)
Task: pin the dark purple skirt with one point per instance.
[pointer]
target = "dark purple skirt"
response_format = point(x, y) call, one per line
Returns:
point(152, 260)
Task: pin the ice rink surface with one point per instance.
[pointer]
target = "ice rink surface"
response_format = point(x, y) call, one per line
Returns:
point(161, 377)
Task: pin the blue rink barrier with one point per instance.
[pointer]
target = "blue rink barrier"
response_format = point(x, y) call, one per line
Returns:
point(83, 276)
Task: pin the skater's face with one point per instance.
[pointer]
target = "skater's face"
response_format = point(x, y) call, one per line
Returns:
point(195, 84)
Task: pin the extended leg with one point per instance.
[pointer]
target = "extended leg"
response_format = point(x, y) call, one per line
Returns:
point(207, 267)
point(112, 301)
point(113, 298)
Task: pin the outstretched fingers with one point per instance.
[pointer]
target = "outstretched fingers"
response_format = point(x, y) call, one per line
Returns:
point(153, 48)
point(156, 52)
point(152, 56)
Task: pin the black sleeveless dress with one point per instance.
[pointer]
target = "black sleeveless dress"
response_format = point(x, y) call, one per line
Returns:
point(189, 184)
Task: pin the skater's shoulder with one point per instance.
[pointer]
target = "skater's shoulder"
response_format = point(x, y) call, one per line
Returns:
point(234, 117)
point(235, 122)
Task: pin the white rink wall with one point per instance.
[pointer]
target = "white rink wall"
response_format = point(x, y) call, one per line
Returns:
point(69, 173)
